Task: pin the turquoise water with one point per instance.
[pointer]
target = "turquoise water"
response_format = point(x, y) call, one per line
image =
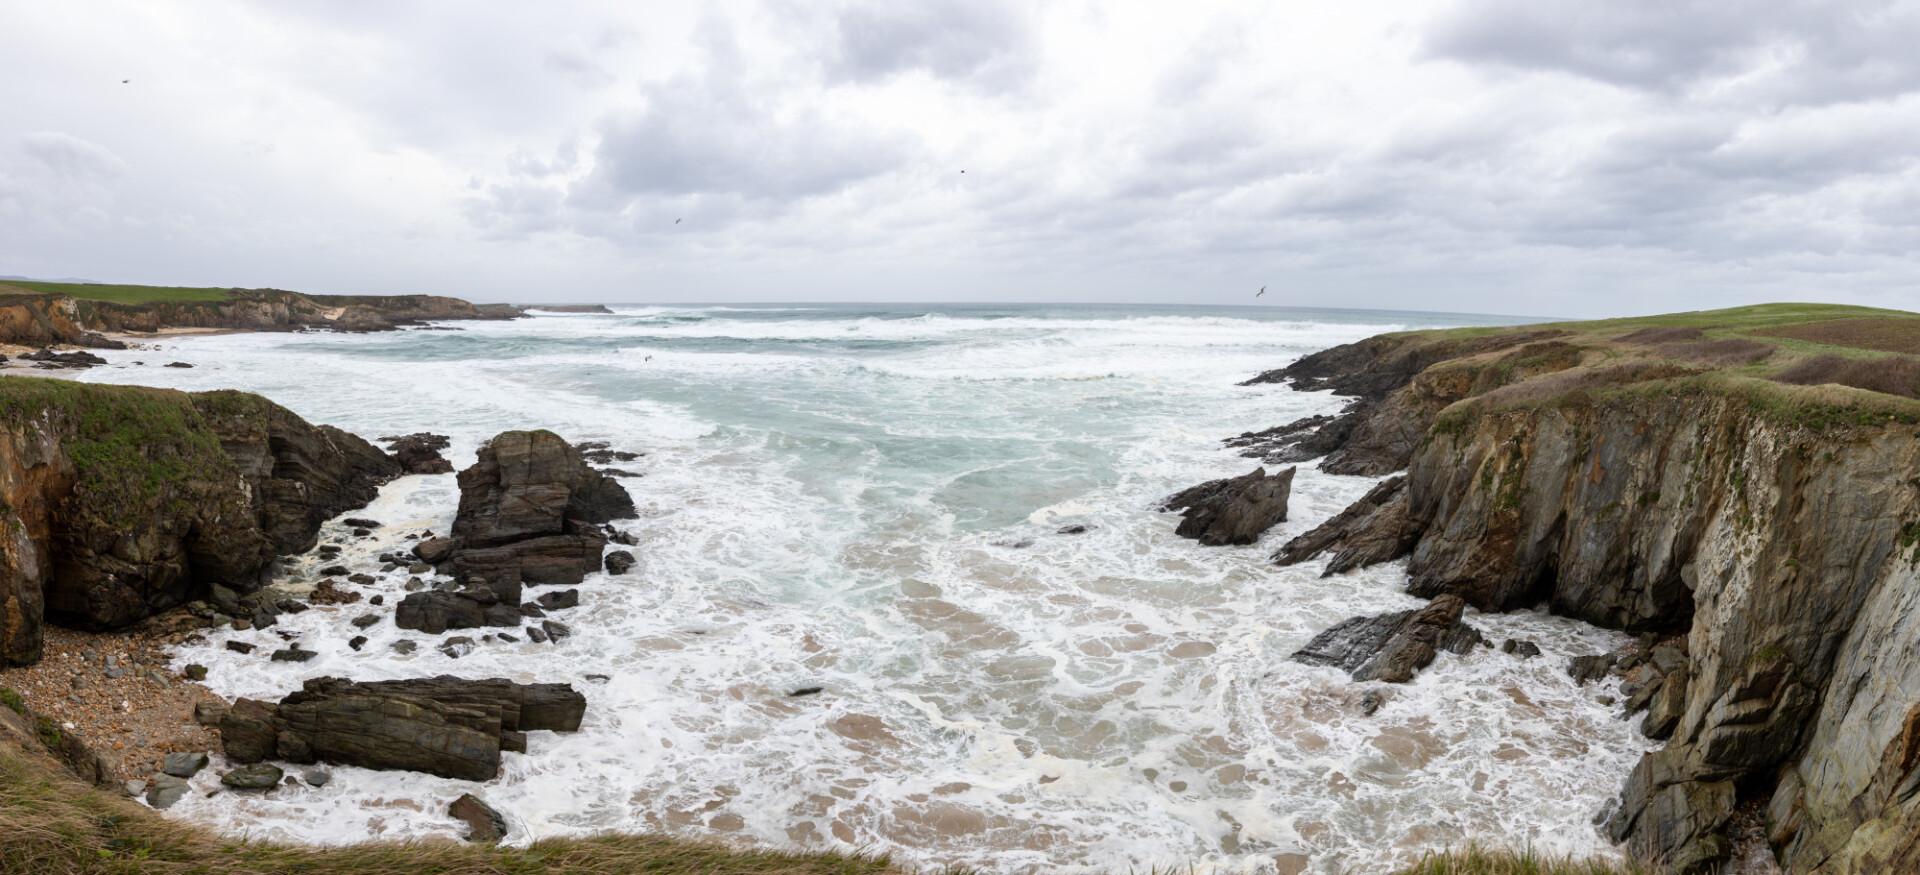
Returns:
point(866, 499)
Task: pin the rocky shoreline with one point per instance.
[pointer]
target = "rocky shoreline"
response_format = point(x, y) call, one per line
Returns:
point(1757, 537)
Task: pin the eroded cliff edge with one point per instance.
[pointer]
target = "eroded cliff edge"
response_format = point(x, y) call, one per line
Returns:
point(118, 502)
point(1671, 482)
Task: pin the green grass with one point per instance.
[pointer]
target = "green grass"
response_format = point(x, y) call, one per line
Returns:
point(1733, 320)
point(124, 294)
point(1481, 861)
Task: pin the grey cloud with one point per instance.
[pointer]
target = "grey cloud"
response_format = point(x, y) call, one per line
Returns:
point(986, 41)
point(1803, 51)
point(69, 156)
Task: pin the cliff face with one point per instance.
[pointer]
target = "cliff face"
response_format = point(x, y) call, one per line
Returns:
point(47, 319)
point(1777, 528)
point(121, 501)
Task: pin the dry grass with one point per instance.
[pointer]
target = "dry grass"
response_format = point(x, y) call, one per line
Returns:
point(1481, 861)
point(1890, 375)
point(1730, 352)
point(1880, 334)
point(1558, 385)
point(52, 825)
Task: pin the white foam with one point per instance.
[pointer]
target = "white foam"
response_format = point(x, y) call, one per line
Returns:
point(853, 518)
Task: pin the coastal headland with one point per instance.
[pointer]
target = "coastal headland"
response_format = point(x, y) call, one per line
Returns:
point(1737, 488)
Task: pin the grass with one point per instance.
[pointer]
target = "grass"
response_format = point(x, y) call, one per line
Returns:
point(124, 294)
point(1481, 861)
point(50, 824)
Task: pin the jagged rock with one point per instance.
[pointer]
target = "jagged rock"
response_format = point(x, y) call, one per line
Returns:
point(562, 560)
point(1392, 647)
point(366, 621)
point(420, 453)
point(357, 642)
point(184, 765)
point(555, 629)
point(533, 484)
point(328, 592)
point(1075, 529)
point(457, 646)
point(1234, 510)
point(1371, 701)
point(554, 601)
point(239, 647)
point(536, 634)
point(259, 776)
point(1590, 668)
point(619, 562)
point(1370, 531)
point(293, 654)
point(1667, 705)
point(484, 824)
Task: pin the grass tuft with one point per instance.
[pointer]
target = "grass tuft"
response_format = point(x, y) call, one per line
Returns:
point(1474, 860)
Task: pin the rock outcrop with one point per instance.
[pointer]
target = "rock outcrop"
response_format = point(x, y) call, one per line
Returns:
point(444, 726)
point(122, 501)
point(531, 510)
point(1235, 510)
point(1393, 647)
point(1775, 527)
point(419, 453)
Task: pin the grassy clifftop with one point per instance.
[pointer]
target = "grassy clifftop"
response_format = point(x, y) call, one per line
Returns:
point(121, 294)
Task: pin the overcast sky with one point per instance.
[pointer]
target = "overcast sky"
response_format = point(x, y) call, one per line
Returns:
point(1542, 157)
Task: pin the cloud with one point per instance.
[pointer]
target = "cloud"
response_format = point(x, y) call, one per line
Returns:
point(984, 41)
point(69, 157)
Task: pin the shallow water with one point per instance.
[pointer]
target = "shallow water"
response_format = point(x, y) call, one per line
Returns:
point(866, 499)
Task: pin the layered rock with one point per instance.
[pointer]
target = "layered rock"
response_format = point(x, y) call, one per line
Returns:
point(122, 501)
point(1774, 527)
point(445, 726)
point(1235, 510)
point(1393, 647)
point(531, 510)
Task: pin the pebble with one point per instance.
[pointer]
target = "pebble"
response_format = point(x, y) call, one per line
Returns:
point(317, 777)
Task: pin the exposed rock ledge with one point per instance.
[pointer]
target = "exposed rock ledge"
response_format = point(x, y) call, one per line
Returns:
point(1777, 527)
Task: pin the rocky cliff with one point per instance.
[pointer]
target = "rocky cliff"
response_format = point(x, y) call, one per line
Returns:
point(1775, 527)
point(119, 501)
point(36, 318)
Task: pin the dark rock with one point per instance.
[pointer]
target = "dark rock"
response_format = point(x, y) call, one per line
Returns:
point(83, 359)
point(457, 646)
point(1235, 510)
point(1370, 531)
point(532, 484)
point(362, 579)
point(1075, 529)
point(329, 592)
point(624, 539)
point(209, 713)
point(357, 642)
point(435, 612)
point(317, 777)
point(184, 765)
point(536, 634)
point(366, 621)
point(291, 606)
point(1667, 706)
point(1392, 647)
point(293, 654)
point(1522, 649)
point(555, 629)
point(377, 601)
point(263, 617)
point(259, 776)
point(361, 533)
point(1590, 668)
point(1371, 701)
point(420, 453)
point(176, 365)
point(483, 823)
point(329, 551)
point(805, 691)
point(619, 562)
point(554, 601)
point(196, 672)
point(239, 647)
point(532, 611)
point(403, 646)
point(360, 523)
point(434, 550)
point(503, 614)
point(561, 560)
point(335, 571)
point(419, 568)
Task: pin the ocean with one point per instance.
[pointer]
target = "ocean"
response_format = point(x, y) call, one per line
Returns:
point(867, 499)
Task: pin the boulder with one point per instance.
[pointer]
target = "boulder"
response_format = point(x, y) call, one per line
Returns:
point(554, 601)
point(619, 562)
point(166, 790)
point(529, 484)
point(562, 560)
point(433, 551)
point(1393, 647)
point(434, 612)
point(259, 776)
point(483, 823)
point(184, 765)
point(1234, 510)
point(419, 453)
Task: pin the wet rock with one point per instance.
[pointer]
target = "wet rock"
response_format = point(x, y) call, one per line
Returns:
point(1234, 510)
point(196, 672)
point(561, 560)
point(291, 606)
point(434, 612)
point(404, 646)
point(239, 647)
point(293, 654)
point(1371, 701)
point(420, 453)
point(259, 776)
point(1522, 649)
point(377, 601)
point(165, 791)
point(357, 642)
point(624, 539)
point(209, 713)
point(619, 562)
point(184, 765)
point(483, 823)
point(1372, 530)
point(262, 618)
point(532, 611)
point(536, 634)
point(360, 523)
point(317, 777)
point(419, 568)
point(555, 629)
point(329, 592)
point(1592, 667)
point(134, 787)
point(1666, 706)
point(176, 365)
point(532, 484)
point(805, 691)
point(362, 579)
point(1075, 529)
point(434, 550)
point(1393, 647)
point(336, 571)
point(82, 359)
point(457, 646)
point(366, 621)
point(554, 601)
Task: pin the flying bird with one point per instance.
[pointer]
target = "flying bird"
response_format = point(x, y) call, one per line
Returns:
point(1263, 290)
point(125, 81)
point(676, 221)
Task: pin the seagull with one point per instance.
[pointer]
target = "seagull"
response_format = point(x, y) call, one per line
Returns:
point(1263, 290)
point(649, 358)
point(125, 81)
point(676, 221)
